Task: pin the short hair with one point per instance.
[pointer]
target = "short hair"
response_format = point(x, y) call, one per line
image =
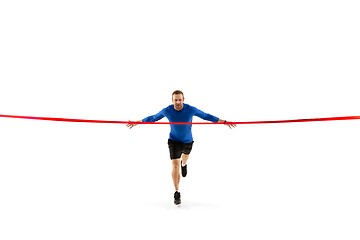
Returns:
point(177, 92)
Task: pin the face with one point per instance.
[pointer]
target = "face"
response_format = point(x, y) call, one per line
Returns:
point(178, 101)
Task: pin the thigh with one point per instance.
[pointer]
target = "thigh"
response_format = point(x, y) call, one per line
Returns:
point(175, 149)
point(186, 148)
point(184, 157)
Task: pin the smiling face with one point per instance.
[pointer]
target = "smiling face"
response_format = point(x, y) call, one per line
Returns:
point(178, 100)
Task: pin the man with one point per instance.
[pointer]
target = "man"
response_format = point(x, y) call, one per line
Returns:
point(180, 141)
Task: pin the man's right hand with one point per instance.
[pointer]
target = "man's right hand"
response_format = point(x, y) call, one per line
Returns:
point(131, 125)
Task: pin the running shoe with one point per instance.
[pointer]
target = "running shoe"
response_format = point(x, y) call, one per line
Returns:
point(177, 198)
point(183, 170)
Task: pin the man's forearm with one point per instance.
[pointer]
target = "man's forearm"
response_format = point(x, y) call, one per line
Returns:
point(230, 125)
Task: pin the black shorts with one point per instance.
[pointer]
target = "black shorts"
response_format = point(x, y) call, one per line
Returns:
point(177, 148)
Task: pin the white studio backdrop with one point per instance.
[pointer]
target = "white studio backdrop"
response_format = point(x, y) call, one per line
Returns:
point(121, 60)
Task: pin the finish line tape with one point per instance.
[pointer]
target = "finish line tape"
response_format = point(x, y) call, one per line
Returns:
point(184, 123)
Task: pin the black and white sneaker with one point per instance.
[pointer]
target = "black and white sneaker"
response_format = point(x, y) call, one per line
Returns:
point(183, 170)
point(177, 198)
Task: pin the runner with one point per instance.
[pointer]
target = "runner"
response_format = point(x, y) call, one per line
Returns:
point(180, 140)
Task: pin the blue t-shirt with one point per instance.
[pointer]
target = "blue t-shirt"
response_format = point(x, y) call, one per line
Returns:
point(181, 132)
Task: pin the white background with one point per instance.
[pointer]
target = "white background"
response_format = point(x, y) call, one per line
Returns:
point(237, 60)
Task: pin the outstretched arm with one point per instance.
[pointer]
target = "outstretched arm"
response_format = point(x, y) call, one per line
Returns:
point(152, 118)
point(230, 125)
point(211, 118)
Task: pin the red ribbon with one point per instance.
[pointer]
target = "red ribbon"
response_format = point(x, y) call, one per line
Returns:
point(130, 122)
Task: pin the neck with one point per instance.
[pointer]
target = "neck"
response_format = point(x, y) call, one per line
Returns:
point(178, 109)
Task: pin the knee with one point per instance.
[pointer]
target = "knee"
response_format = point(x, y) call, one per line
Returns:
point(176, 165)
point(176, 168)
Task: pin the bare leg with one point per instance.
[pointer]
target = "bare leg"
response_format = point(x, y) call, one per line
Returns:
point(184, 158)
point(176, 173)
